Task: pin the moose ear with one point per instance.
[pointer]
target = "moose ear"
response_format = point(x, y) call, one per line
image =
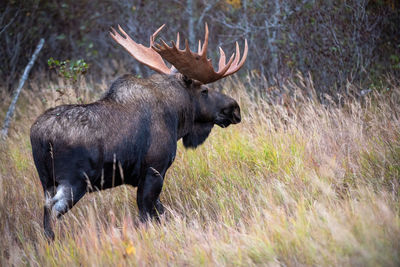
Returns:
point(187, 80)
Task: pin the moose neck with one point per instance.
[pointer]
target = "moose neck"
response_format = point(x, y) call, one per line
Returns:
point(183, 105)
point(182, 101)
point(166, 97)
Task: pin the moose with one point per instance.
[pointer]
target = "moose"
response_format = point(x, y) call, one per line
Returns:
point(130, 135)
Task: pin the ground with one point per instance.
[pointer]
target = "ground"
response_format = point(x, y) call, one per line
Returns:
point(293, 184)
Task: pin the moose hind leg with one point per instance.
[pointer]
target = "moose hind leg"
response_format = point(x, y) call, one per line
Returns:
point(58, 202)
point(66, 197)
point(47, 224)
point(149, 190)
point(48, 231)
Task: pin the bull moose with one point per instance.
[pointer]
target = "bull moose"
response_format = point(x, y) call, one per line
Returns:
point(130, 135)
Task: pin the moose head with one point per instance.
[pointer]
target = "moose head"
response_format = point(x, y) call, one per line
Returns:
point(195, 70)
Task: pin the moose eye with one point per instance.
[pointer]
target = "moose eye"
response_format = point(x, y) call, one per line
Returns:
point(204, 92)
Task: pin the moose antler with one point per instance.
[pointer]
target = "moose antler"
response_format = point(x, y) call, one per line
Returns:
point(196, 65)
point(193, 65)
point(145, 55)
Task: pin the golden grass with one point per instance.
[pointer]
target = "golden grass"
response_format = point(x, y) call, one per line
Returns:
point(293, 184)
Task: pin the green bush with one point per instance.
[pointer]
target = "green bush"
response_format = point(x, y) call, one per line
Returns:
point(68, 69)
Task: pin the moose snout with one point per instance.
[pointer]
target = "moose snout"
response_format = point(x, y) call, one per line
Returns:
point(236, 118)
point(233, 112)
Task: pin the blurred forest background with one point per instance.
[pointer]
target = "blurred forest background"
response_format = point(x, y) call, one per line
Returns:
point(337, 42)
point(310, 177)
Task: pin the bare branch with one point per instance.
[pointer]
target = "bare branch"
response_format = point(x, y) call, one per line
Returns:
point(11, 109)
point(11, 21)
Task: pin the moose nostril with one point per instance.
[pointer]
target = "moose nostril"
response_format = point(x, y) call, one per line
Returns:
point(236, 115)
point(227, 111)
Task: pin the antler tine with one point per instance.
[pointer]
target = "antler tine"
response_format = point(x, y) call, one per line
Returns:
point(177, 40)
point(153, 36)
point(199, 48)
point(205, 45)
point(165, 44)
point(187, 49)
point(121, 30)
point(222, 68)
point(237, 55)
point(222, 59)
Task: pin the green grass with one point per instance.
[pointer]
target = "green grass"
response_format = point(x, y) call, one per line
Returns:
point(299, 184)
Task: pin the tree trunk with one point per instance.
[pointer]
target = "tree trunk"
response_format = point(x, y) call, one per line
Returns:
point(189, 9)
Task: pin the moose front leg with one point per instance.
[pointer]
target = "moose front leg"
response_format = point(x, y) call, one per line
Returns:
point(148, 193)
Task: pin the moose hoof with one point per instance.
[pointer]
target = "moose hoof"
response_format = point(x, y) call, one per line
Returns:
point(49, 235)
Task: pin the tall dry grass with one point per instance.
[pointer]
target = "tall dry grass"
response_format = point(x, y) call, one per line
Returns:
point(295, 183)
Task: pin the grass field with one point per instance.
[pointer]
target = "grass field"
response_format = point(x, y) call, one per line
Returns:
point(293, 184)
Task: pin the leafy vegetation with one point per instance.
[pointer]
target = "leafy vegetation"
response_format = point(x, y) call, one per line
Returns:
point(68, 69)
point(71, 71)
